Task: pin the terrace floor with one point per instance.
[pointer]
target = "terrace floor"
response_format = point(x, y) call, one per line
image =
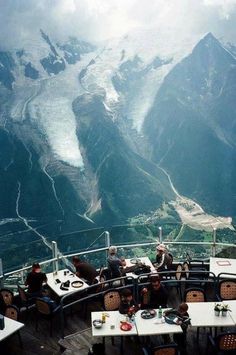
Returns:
point(78, 336)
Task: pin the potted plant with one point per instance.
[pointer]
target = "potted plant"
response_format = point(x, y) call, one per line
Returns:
point(225, 309)
point(217, 309)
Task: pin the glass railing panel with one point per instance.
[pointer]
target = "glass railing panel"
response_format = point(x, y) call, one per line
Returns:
point(81, 241)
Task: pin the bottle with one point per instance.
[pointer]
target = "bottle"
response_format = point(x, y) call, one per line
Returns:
point(160, 312)
point(103, 318)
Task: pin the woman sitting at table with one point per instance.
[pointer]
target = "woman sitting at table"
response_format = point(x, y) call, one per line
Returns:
point(35, 280)
point(154, 295)
point(127, 304)
point(115, 263)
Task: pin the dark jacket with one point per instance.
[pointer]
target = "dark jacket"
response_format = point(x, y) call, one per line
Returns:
point(154, 298)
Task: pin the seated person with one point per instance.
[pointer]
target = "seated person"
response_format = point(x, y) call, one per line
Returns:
point(163, 258)
point(127, 303)
point(115, 263)
point(35, 280)
point(84, 270)
point(184, 321)
point(154, 295)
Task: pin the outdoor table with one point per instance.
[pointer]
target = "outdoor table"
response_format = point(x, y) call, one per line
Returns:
point(144, 260)
point(111, 327)
point(222, 265)
point(202, 314)
point(155, 326)
point(11, 326)
point(63, 276)
point(113, 318)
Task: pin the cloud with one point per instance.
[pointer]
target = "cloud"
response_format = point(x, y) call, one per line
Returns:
point(97, 20)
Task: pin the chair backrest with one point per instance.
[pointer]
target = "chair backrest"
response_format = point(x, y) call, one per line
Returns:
point(186, 269)
point(7, 296)
point(226, 341)
point(195, 295)
point(22, 294)
point(227, 290)
point(178, 274)
point(168, 349)
point(12, 312)
point(43, 306)
point(111, 300)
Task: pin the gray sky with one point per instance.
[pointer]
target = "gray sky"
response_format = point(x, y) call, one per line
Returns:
point(97, 20)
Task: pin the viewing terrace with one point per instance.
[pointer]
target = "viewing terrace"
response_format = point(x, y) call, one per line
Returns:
point(72, 332)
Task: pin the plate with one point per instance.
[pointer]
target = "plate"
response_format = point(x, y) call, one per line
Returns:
point(148, 314)
point(135, 261)
point(125, 326)
point(77, 284)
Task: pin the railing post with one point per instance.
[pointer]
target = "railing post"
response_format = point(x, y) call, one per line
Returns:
point(214, 242)
point(107, 240)
point(55, 256)
point(160, 234)
point(1, 274)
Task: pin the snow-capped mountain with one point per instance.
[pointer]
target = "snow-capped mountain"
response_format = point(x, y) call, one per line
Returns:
point(86, 132)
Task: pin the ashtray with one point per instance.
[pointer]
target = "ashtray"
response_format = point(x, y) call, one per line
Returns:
point(97, 323)
point(148, 313)
point(77, 284)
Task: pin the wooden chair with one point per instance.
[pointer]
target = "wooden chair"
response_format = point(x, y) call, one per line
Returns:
point(26, 301)
point(195, 295)
point(227, 290)
point(168, 349)
point(12, 312)
point(111, 300)
point(7, 296)
point(175, 283)
point(223, 343)
point(45, 310)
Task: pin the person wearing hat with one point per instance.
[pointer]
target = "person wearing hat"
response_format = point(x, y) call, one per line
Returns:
point(35, 280)
point(163, 258)
point(114, 262)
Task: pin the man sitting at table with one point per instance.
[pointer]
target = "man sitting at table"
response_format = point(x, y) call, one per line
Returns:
point(35, 280)
point(163, 258)
point(84, 270)
point(115, 263)
point(154, 295)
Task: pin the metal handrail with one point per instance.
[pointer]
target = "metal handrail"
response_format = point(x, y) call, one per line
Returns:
point(124, 246)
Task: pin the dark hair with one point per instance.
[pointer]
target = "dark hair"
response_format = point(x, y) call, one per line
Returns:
point(75, 259)
point(35, 266)
point(126, 292)
point(155, 279)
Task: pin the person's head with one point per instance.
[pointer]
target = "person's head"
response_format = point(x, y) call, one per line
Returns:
point(183, 308)
point(36, 267)
point(160, 248)
point(126, 295)
point(112, 250)
point(75, 260)
point(155, 282)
